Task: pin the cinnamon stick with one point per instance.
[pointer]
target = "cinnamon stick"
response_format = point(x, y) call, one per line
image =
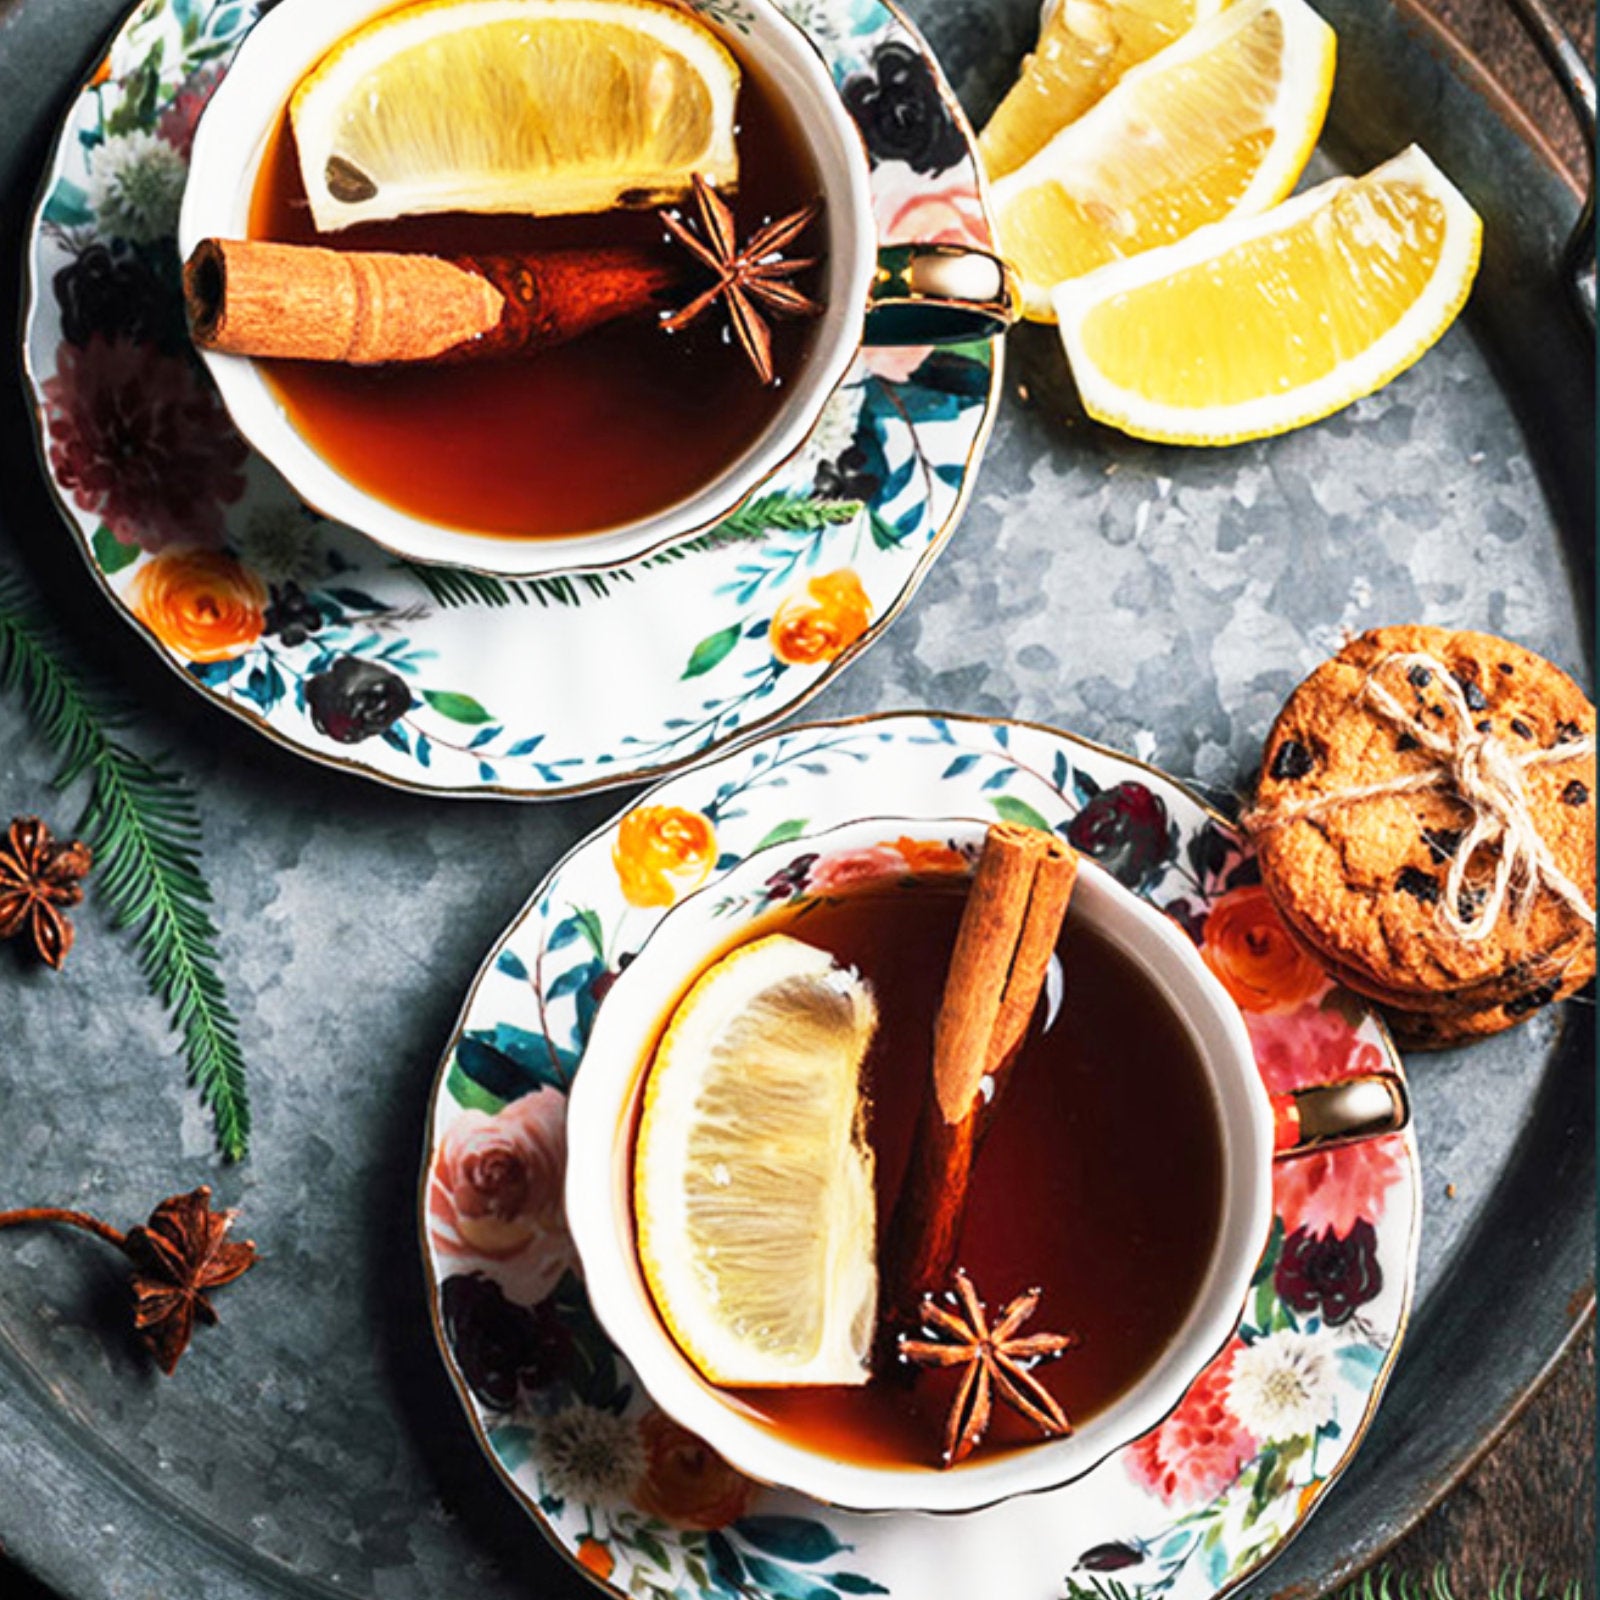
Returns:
point(1008, 932)
point(253, 297)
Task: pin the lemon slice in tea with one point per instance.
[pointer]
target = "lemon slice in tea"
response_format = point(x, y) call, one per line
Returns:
point(538, 106)
point(753, 1181)
point(1255, 326)
point(1085, 46)
point(1219, 124)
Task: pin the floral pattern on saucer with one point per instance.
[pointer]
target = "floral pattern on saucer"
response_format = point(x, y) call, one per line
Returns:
point(449, 681)
point(1186, 1512)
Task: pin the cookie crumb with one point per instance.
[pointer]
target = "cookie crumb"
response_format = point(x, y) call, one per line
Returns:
point(1449, 1191)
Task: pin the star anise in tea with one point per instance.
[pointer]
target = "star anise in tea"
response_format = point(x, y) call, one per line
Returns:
point(750, 278)
point(179, 1255)
point(39, 876)
point(997, 1359)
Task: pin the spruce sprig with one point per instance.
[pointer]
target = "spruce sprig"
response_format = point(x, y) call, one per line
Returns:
point(768, 513)
point(1379, 1583)
point(143, 824)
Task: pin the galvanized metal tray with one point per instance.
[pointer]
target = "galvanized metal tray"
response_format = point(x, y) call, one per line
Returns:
point(1157, 600)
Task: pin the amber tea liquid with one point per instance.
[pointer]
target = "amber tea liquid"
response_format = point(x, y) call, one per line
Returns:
point(1100, 1181)
point(616, 425)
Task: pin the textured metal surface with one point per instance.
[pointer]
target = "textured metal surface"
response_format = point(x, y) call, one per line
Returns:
point(1159, 600)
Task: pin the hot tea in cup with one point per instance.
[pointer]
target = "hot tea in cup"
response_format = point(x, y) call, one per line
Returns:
point(530, 285)
point(813, 1266)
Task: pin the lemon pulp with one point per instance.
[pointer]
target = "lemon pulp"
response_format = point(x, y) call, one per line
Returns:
point(753, 1180)
point(538, 106)
point(1258, 325)
point(1220, 123)
point(1085, 47)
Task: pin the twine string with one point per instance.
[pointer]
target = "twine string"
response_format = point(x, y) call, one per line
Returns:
point(1486, 776)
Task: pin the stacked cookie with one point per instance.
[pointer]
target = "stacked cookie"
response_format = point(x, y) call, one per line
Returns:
point(1388, 762)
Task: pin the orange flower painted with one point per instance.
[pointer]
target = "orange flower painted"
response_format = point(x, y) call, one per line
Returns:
point(661, 853)
point(927, 857)
point(596, 1558)
point(1251, 951)
point(822, 620)
point(201, 603)
point(685, 1481)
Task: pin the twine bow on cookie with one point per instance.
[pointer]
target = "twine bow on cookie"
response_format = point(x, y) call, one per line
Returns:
point(1486, 776)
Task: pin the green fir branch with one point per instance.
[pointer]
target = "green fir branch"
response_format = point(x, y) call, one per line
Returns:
point(768, 513)
point(1384, 1583)
point(1381, 1583)
point(143, 824)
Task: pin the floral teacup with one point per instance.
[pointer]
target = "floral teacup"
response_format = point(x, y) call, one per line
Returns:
point(916, 294)
point(1255, 1131)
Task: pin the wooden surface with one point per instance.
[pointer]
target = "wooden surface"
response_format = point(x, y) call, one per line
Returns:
point(1530, 1503)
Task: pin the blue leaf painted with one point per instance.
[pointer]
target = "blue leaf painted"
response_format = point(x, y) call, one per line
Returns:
point(512, 965)
point(792, 1538)
point(727, 1571)
point(510, 1061)
point(212, 672)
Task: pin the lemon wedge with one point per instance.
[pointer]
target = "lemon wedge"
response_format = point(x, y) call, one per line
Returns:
point(753, 1182)
point(1252, 327)
point(538, 106)
point(1219, 124)
point(1085, 46)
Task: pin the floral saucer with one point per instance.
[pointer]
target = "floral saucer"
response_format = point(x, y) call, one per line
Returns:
point(1188, 1511)
point(447, 681)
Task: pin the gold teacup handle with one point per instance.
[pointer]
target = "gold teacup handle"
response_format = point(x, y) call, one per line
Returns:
point(939, 294)
point(1331, 1114)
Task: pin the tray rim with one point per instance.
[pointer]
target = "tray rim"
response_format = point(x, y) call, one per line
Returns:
point(1478, 79)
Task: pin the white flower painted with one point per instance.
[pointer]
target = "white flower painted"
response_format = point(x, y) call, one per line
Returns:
point(835, 431)
point(280, 541)
point(824, 21)
point(1284, 1386)
point(136, 186)
point(588, 1454)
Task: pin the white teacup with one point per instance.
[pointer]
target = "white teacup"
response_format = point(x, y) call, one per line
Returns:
point(916, 294)
point(600, 1126)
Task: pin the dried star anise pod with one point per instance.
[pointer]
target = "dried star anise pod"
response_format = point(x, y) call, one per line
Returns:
point(178, 1256)
point(748, 275)
point(997, 1360)
point(38, 877)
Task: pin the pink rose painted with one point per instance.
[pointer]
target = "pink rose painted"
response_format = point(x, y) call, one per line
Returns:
point(1298, 1049)
point(1199, 1450)
point(1338, 1188)
point(846, 869)
point(494, 1195)
point(1332, 1188)
point(909, 212)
